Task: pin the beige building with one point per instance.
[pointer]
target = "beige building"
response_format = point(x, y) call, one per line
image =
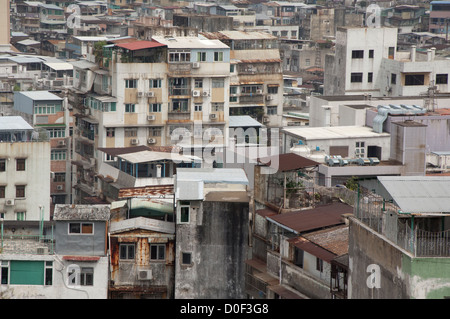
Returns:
point(4, 25)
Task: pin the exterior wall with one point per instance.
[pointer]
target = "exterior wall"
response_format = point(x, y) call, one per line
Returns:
point(400, 275)
point(217, 237)
point(80, 244)
point(60, 287)
point(4, 23)
point(36, 177)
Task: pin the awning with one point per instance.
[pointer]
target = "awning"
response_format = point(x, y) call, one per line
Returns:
point(315, 250)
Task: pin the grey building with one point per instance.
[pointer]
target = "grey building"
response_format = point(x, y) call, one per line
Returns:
point(212, 222)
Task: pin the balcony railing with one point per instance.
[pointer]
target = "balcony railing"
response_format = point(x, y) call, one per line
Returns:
point(27, 244)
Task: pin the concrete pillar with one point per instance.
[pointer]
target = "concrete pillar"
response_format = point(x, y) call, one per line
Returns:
point(413, 53)
point(158, 170)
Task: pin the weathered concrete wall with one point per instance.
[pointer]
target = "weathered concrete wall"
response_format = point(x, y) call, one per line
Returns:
point(217, 238)
point(80, 244)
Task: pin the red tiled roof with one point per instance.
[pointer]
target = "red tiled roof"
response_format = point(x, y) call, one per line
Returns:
point(140, 45)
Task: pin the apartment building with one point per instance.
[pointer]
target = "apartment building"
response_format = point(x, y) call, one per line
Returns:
point(163, 92)
point(366, 60)
point(439, 17)
point(47, 111)
point(24, 171)
point(256, 84)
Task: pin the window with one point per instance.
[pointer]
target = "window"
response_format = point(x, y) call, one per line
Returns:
point(186, 258)
point(184, 212)
point(360, 149)
point(247, 89)
point(370, 77)
point(158, 252)
point(371, 54)
point(393, 78)
point(414, 79)
point(4, 272)
point(272, 89)
point(155, 83)
point(48, 280)
point(356, 77)
point(130, 108)
point(233, 89)
point(391, 52)
point(56, 132)
point(357, 54)
point(2, 164)
point(319, 264)
point(126, 251)
point(87, 276)
point(218, 83)
point(20, 191)
point(201, 56)
point(217, 107)
point(179, 56)
point(232, 68)
point(180, 105)
point(307, 62)
point(155, 107)
point(58, 155)
point(441, 78)
point(218, 56)
point(2, 191)
point(81, 228)
point(20, 164)
point(197, 107)
point(198, 83)
point(20, 216)
point(131, 83)
point(272, 110)
point(110, 132)
point(154, 131)
point(130, 132)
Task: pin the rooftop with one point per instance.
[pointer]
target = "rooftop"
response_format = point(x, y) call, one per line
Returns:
point(212, 175)
point(333, 132)
point(11, 123)
point(243, 121)
point(287, 162)
point(190, 42)
point(81, 212)
point(40, 95)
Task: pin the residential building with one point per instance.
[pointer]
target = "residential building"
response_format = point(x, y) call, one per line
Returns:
point(24, 171)
point(142, 251)
point(256, 83)
point(439, 17)
point(407, 18)
point(47, 111)
point(5, 35)
point(35, 17)
point(212, 222)
point(409, 219)
point(364, 65)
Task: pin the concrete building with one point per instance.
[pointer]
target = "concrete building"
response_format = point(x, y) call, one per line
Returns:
point(414, 234)
point(148, 90)
point(364, 65)
point(439, 17)
point(24, 171)
point(142, 254)
point(212, 220)
point(5, 34)
point(47, 111)
point(256, 83)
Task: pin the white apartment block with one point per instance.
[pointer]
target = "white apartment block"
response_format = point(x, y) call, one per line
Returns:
point(366, 61)
point(24, 172)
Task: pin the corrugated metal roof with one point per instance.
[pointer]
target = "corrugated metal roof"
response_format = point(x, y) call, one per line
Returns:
point(419, 194)
point(287, 162)
point(212, 175)
point(333, 132)
point(8, 123)
point(40, 95)
point(243, 121)
point(140, 45)
point(312, 248)
point(335, 239)
point(313, 219)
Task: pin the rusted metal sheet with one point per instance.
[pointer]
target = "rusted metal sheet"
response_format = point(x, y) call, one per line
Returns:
point(288, 162)
point(158, 190)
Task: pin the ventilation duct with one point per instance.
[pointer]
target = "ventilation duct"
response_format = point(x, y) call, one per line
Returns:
point(385, 110)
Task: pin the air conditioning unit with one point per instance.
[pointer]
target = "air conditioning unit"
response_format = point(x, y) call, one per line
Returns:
point(140, 94)
point(134, 141)
point(205, 93)
point(87, 111)
point(59, 187)
point(150, 94)
point(151, 117)
point(42, 250)
point(269, 98)
point(52, 175)
point(195, 93)
point(213, 116)
point(144, 275)
point(195, 65)
point(61, 143)
point(259, 91)
point(9, 202)
point(151, 141)
point(266, 119)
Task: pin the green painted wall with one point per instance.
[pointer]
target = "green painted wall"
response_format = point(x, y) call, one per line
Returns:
point(429, 277)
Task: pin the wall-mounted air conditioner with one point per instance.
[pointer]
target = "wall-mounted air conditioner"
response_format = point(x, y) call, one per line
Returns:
point(9, 202)
point(151, 141)
point(150, 94)
point(59, 187)
point(213, 116)
point(195, 93)
point(134, 141)
point(144, 275)
point(195, 65)
point(151, 117)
